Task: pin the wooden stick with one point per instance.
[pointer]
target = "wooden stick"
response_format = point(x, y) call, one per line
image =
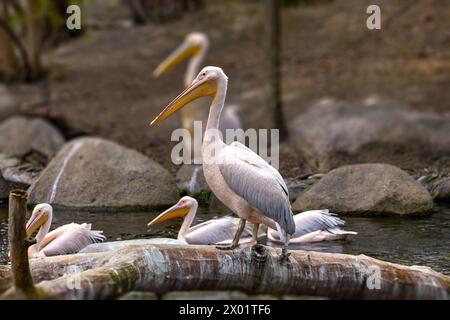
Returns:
point(18, 244)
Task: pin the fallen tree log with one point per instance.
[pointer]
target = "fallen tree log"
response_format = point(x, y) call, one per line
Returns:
point(256, 269)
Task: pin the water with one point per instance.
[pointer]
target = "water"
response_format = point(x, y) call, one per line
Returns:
point(409, 241)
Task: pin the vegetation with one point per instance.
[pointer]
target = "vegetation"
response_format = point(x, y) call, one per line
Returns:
point(27, 29)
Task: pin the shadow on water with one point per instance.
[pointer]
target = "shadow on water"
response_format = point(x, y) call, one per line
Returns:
point(409, 241)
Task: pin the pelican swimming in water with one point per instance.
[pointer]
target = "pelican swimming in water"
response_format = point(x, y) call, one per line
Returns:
point(209, 232)
point(194, 47)
point(310, 226)
point(67, 239)
point(239, 178)
point(315, 226)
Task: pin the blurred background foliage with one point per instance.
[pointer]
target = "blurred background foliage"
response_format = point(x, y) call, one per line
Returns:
point(27, 29)
point(30, 27)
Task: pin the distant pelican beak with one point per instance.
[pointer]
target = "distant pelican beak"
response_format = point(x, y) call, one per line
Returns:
point(183, 52)
point(199, 88)
point(35, 222)
point(176, 211)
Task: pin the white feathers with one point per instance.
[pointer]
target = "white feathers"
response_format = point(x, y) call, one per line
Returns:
point(314, 226)
point(71, 238)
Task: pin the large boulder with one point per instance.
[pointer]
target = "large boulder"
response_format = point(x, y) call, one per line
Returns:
point(15, 173)
point(19, 171)
point(332, 134)
point(367, 189)
point(6, 186)
point(21, 136)
point(93, 173)
point(9, 104)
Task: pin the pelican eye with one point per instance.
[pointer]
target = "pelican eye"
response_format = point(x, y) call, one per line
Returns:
point(204, 74)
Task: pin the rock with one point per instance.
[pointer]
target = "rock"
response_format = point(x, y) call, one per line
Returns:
point(438, 128)
point(93, 173)
point(366, 189)
point(440, 189)
point(205, 295)
point(4, 189)
point(190, 179)
point(19, 171)
point(333, 134)
point(298, 186)
point(139, 295)
point(9, 105)
point(26, 146)
point(20, 136)
point(15, 173)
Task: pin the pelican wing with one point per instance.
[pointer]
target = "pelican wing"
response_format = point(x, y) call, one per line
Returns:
point(311, 221)
point(70, 238)
point(215, 231)
point(260, 184)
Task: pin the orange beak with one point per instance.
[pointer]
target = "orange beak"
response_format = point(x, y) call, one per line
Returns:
point(176, 211)
point(198, 88)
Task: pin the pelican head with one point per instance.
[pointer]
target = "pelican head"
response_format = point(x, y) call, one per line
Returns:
point(179, 210)
point(41, 214)
point(194, 44)
point(204, 85)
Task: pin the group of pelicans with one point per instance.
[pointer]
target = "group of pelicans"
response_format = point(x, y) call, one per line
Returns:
point(243, 181)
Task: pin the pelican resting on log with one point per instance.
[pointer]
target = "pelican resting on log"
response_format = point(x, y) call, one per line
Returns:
point(310, 226)
point(194, 48)
point(240, 179)
point(67, 239)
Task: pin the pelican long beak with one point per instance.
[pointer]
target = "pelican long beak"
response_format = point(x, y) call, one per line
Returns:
point(176, 211)
point(35, 222)
point(183, 52)
point(199, 88)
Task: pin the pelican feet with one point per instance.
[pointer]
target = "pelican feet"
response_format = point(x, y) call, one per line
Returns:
point(284, 257)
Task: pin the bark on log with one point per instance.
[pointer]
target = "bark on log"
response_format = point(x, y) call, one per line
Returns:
point(165, 268)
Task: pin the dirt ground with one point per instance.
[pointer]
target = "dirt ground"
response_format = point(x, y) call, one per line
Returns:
point(101, 84)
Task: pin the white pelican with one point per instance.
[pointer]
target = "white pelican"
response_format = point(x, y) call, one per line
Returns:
point(195, 47)
point(67, 239)
point(239, 178)
point(310, 226)
point(209, 232)
point(315, 226)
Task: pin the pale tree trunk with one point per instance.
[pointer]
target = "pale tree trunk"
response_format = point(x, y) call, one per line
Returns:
point(253, 269)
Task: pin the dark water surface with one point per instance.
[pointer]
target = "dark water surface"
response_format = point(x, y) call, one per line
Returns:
point(409, 241)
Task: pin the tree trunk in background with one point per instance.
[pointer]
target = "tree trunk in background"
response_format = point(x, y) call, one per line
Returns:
point(159, 11)
point(138, 11)
point(32, 26)
point(34, 29)
point(9, 64)
point(272, 22)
